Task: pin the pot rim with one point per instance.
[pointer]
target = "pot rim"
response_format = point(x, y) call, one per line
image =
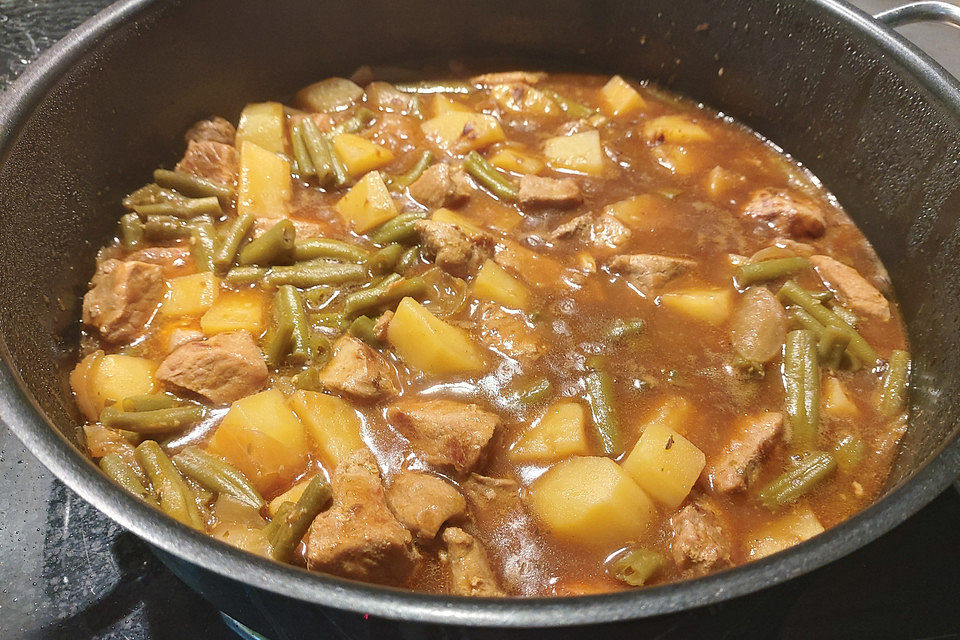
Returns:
point(21, 413)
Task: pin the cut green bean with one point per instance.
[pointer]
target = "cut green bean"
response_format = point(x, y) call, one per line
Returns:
point(603, 405)
point(636, 566)
point(301, 157)
point(308, 380)
point(288, 307)
point(204, 243)
point(833, 343)
point(277, 344)
point(370, 297)
point(193, 186)
point(356, 122)
point(799, 480)
point(408, 260)
point(363, 327)
point(314, 248)
point(316, 297)
point(176, 498)
point(792, 293)
point(218, 475)
point(122, 471)
point(400, 228)
point(434, 86)
point(894, 393)
point(534, 392)
point(164, 228)
point(271, 529)
point(131, 231)
point(149, 194)
point(182, 208)
point(245, 275)
point(624, 329)
point(570, 107)
point(152, 422)
point(401, 182)
point(385, 259)
point(312, 274)
point(340, 175)
point(849, 452)
point(337, 321)
point(149, 402)
point(748, 274)
point(801, 385)
point(849, 317)
point(275, 246)
point(485, 174)
point(317, 150)
point(236, 233)
point(293, 524)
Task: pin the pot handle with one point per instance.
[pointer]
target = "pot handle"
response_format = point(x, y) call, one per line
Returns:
point(926, 11)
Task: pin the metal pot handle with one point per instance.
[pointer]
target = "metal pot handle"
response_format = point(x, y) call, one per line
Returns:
point(927, 11)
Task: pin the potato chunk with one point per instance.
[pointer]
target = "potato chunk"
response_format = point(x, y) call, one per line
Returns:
point(591, 501)
point(580, 153)
point(360, 155)
point(265, 185)
point(712, 306)
point(784, 532)
point(617, 98)
point(428, 343)
point(367, 204)
point(189, 295)
point(559, 434)
point(101, 380)
point(333, 424)
point(263, 124)
point(675, 129)
point(493, 283)
point(664, 463)
point(234, 311)
point(517, 161)
point(460, 131)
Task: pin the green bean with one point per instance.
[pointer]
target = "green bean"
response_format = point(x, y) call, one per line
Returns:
point(748, 274)
point(301, 157)
point(340, 175)
point(165, 228)
point(400, 228)
point(308, 379)
point(149, 194)
point(282, 511)
point(319, 155)
point(849, 452)
point(496, 182)
point(385, 259)
point(204, 243)
point(149, 402)
point(356, 122)
point(434, 86)
point(536, 391)
point(821, 296)
point(227, 252)
point(312, 274)
point(193, 186)
point(245, 275)
point(600, 394)
point(401, 182)
point(316, 297)
point(622, 329)
point(408, 259)
point(155, 421)
point(275, 246)
point(182, 208)
point(293, 524)
point(131, 231)
point(371, 296)
point(314, 248)
point(362, 327)
point(894, 394)
point(849, 317)
point(328, 321)
point(277, 343)
point(218, 475)
point(124, 474)
point(288, 307)
point(792, 292)
point(833, 343)
point(571, 107)
point(795, 482)
point(636, 566)
point(801, 385)
point(176, 498)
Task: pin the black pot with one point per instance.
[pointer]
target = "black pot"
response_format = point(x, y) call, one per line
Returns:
point(875, 119)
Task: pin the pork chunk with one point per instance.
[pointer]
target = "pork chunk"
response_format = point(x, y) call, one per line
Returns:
point(441, 186)
point(786, 212)
point(175, 261)
point(214, 161)
point(648, 271)
point(423, 502)
point(508, 333)
point(382, 324)
point(454, 250)
point(467, 563)
point(851, 288)
point(740, 461)
point(215, 129)
point(222, 369)
point(508, 77)
point(358, 537)
point(357, 370)
point(123, 298)
point(602, 231)
point(698, 538)
point(536, 192)
point(444, 433)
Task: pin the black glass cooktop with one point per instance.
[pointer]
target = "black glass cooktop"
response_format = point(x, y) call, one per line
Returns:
point(67, 572)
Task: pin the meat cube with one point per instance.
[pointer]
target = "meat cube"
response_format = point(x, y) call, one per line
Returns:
point(441, 186)
point(508, 77)
point(454, 250)
point(740, 461)
point(224, 368)
point(213, 161)
point(395, 132)
point(786, 212)
point(577, 228)
point(647, 271)
point(698, 538)
point(175, 261)
point(508, 334)
point(123, 298)
point(538, 192)
point(469, 568)
point(357, 370)
point(382, 324)
point(215, 129)
point(444, 433)
point(180, 337)
point(423, 502)
point(851, 288)
point(602, 231)
point(358, 537)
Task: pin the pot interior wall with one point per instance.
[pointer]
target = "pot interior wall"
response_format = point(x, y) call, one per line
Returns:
point(874, 135)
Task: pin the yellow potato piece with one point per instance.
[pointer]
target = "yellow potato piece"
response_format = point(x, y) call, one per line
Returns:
point(118, 376)
point(442, 104)
point(460, 132)
point(190, 295)
point(431, 345)
point(452, 217)
point(676, 159)
point(333, 424)
point(359, 155)
point(234, 311)
point(617, 98)
point(707, 305)
point(580, 153)
point(516, 161)
point(836, 401)
point(263, 124)
point(493, 283)
point(265, 186)
point(290, 495)
point(367, 204)
point(559, 434)
point(675, 129)
point(784, 532)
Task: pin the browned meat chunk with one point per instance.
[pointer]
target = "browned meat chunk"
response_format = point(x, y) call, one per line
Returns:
point(444, 433)
point(441, 186)
point(423, 502)
point(215, 129)
point(385, 97)
point(698, 538)
point(358, 537)
point(508, 77)
point(740, 461)
point(548, 192)
point(357, 370)
point(395, 132)
point(508, 334)
point(454, 250)
point(214, 161)
point(851, 288)
point(222, 369)
point(382, 324)
point(466, 560)
point(786, 212)
point(123, 298)
point(647, 271)
point(602, 231)
point(175, 261)
point(180, 337)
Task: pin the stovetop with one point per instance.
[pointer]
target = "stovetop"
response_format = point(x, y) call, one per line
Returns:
point(68, 572)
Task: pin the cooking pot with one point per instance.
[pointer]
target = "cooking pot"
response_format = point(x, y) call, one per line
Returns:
point(875, 119)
